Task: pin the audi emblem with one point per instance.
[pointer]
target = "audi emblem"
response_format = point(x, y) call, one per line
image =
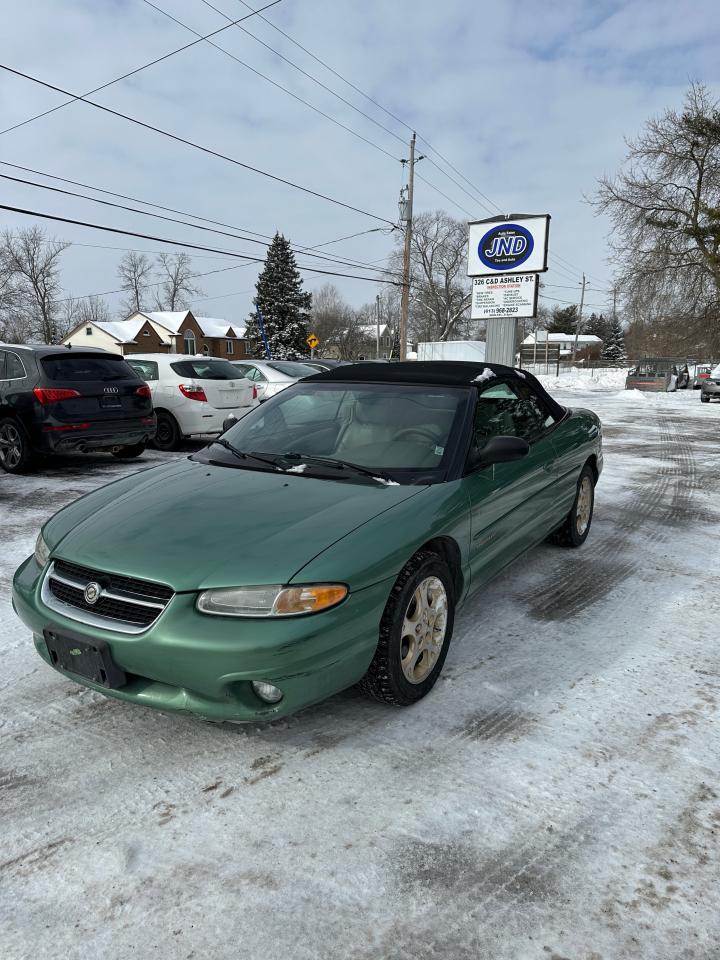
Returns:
point(92, 593)
point(112, 390)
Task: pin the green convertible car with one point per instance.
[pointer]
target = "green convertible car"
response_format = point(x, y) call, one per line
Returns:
point(326, 539)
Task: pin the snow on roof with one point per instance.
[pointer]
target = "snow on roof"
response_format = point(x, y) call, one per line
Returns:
point(124, 331)
point(542, 336)
point(170, 319)
point(370, 329)
point(212, 327)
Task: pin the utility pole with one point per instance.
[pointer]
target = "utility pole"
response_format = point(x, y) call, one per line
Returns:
point(377, 325)
point(405, 298)
point(578, 325)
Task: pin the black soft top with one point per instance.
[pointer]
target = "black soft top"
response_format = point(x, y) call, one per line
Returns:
point(451, 373)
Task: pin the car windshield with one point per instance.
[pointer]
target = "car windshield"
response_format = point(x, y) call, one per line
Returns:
point(291, 368)
point(206, 369)
point(377, 426)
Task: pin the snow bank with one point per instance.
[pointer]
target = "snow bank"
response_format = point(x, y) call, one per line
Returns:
point(610, 378)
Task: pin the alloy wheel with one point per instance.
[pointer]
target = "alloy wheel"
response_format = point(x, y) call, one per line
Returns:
point(424, 629)
point(11, 446)
point(584, 506)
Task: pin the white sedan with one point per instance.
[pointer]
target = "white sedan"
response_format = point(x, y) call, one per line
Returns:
point(192, 395)
point(272, 376)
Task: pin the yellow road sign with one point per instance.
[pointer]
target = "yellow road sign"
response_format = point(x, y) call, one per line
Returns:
point(312, 341)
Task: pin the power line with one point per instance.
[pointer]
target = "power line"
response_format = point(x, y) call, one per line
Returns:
point(180, 243)
point(299, 247)
point(571, 302)
point(305, 73)
point(333, 93)
point(279, 86)
point(137, 70)
point(196, 146)
point(159, 216)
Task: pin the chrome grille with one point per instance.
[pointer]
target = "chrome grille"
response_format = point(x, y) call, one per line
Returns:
point(125, 604)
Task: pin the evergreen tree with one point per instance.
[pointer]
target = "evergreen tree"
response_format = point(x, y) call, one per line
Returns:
point(284, 305)
point(563, 319)
point(598, 326)
point(614, 347)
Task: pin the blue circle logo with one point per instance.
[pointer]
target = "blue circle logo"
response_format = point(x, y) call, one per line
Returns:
point(505, 246)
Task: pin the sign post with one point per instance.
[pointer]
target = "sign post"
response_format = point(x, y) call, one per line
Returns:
point(505, 257)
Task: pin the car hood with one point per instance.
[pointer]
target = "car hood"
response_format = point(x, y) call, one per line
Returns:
point(194, 526)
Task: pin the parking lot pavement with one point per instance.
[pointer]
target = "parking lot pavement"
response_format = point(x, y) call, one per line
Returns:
point(556, 796)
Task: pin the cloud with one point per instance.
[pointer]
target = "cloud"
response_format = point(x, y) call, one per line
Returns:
point(531, 102)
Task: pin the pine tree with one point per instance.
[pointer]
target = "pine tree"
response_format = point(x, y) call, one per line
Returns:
point(614, 347)
point(284, 305)
point(598, 325)
point(563, 319)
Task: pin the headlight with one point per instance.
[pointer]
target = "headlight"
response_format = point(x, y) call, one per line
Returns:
point(272, 601)
point(42, 551)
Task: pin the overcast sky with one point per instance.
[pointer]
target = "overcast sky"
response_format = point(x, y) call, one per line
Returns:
point(528, 100)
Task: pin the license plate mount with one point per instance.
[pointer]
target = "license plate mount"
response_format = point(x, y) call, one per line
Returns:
point(89, 659)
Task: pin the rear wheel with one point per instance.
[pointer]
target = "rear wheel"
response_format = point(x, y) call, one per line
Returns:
point(15, 452)
point(168, 432)
point(574, 531)
point(415, 632)
point(127, 453)
point(704, 398)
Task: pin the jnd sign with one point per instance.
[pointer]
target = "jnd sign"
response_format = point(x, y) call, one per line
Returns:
point(517, 245)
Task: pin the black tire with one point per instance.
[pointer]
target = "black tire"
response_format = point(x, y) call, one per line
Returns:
point(127, 453)
point(385, 679)
point(16, 455)
point(168, 433)
point(704, 399)
point(569, 535)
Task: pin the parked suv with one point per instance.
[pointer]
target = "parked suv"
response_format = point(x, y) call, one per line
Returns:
point(192, 395)
point(58, 399)
point(710, 387)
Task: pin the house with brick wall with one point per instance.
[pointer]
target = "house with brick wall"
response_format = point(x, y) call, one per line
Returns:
point(163, 331)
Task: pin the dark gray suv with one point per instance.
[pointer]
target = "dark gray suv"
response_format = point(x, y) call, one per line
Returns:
point(59, 399)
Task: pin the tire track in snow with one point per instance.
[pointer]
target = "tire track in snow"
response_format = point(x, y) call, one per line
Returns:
point(588, 579)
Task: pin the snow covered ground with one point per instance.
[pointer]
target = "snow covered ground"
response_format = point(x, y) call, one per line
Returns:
point(557, 796)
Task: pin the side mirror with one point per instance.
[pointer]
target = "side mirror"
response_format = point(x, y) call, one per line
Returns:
point(228, 422)
point(498, 450)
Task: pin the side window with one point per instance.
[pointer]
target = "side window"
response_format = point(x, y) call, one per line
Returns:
point(2, 364)
point(510, 411)
point(147, 369)
point(532, 416)
point(494, 414)
point(14, 370)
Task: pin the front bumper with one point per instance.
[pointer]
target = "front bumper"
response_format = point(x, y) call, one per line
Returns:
point(203, 665)
point(103, 435)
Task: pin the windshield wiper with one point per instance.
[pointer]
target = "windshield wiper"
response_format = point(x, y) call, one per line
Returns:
point(376, 475)
point(220, 441)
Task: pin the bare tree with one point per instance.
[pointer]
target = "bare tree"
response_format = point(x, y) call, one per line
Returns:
point(31, 265)
point(664, 207)
point(135, 272)
point(177, 289)
point(440, 290)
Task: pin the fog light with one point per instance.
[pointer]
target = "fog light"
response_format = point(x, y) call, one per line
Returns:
point(267, 692)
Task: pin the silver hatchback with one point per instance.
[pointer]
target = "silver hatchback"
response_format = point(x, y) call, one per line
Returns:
point(710, 387)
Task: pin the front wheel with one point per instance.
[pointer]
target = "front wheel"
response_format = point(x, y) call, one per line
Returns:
point(574, 531)
point(415, 632)
point(704, 398)
point(127, 453)
point(15, 452)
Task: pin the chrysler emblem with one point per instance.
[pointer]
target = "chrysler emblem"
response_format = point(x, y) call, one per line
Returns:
point(92, 593)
